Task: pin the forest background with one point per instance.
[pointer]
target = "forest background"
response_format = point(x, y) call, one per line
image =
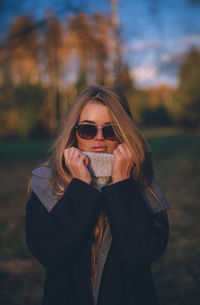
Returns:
point(43, 66)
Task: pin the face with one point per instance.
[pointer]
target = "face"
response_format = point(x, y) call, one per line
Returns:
point(98, 114)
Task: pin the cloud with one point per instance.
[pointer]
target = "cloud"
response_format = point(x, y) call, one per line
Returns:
point(188, 41)
point(180, 45)
point(150, 67)
point(143, 45)
point(170, 61)
point(151, 76)
point(141, 74)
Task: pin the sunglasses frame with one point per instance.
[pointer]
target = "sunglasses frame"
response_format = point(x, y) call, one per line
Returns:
point(97, 128)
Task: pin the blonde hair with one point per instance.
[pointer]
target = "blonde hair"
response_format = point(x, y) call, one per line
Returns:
point(126, 131)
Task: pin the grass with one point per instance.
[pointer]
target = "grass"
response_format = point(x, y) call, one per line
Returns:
point(177, 273)
point(177, 166)
point(29, 150)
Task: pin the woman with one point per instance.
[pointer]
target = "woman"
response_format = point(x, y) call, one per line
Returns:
point(96, 218)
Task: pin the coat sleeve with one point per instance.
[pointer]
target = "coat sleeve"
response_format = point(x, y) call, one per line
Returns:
point(141, 236)
point(57, 236)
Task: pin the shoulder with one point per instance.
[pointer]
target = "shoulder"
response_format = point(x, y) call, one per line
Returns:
point(42, 187)
point(154, 197)
point(40, 177)
point(42, 172)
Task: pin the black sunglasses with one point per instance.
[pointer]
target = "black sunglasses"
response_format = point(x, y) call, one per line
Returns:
point(89, 131)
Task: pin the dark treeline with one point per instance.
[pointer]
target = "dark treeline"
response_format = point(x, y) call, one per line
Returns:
point(44, 66)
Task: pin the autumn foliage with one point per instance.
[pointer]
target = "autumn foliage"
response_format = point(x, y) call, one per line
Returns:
point(43, 66)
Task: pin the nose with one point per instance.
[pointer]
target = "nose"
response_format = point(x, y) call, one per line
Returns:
point(99, 135)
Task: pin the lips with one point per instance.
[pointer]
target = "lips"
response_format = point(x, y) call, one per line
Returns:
point(99, 148)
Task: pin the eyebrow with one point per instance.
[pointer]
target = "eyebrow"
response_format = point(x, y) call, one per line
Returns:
point(94, 123)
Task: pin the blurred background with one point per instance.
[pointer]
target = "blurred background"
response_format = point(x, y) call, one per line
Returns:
point(50, 51)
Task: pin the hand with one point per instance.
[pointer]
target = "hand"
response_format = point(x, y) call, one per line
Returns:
point(77, 164)
point(122, 164)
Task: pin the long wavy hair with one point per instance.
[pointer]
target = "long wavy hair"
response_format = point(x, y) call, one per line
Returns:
point(126, 131)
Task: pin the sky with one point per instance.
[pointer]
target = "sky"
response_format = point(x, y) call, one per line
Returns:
point(156, 34)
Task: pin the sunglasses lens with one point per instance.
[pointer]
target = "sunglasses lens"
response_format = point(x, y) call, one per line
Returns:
point(87, 131)
point(109, 133)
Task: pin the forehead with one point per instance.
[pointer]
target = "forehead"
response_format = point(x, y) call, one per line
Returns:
point(95, 112)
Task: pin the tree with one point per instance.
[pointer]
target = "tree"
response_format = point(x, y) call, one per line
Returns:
point(28, 100)
point(23, 50)
point(88, 37)
point(54, 55)
point(186, 106)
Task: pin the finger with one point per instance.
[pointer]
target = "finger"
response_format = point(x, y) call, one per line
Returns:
point(128, 151)
point(74, 154)
point(86, 161)
point(71, 152)
point(117, 152)
point(118, 148)
point(124, 147)
point(122, 150)
point(82, 159)
point(67, 150)
point(66, 153)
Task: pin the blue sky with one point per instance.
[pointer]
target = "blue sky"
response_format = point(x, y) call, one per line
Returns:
point(156, 33)
point(162, 32)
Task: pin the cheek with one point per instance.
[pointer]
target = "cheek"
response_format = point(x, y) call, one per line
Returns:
point(82, 144)
point(112, 146)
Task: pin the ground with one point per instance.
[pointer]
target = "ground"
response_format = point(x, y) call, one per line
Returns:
point(177, 167)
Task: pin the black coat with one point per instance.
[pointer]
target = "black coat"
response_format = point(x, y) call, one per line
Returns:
point(61, 241)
